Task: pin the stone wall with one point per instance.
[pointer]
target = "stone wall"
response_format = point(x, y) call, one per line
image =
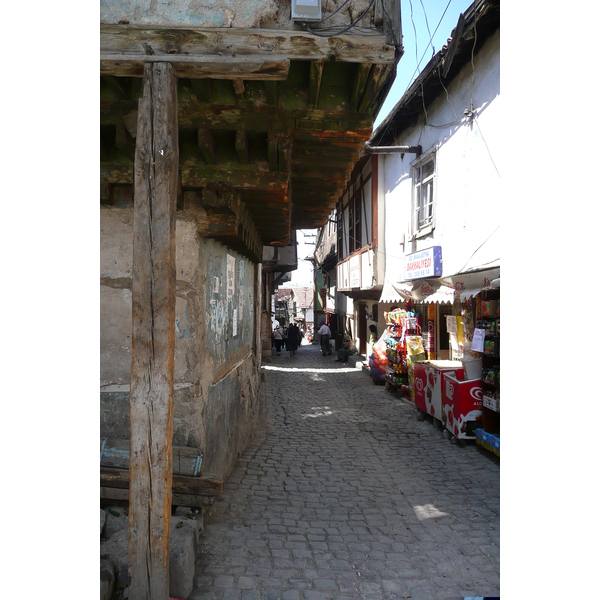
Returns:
point(267, 14)
point(217, 384)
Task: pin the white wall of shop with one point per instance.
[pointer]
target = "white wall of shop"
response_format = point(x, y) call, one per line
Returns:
point(467, 173)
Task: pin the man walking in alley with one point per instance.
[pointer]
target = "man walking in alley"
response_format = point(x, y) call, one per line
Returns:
point(325, 334)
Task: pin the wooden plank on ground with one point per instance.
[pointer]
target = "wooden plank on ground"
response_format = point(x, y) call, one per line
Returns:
point(153, 334)
point(120, 497)
point(114, 452)
point(201, 486)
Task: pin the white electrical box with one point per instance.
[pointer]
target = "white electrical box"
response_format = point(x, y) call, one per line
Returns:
point(306, 10)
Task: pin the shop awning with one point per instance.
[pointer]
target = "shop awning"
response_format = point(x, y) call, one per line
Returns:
point(395, 292)
point(423, 290)
point(467, 285)
point(444, 289)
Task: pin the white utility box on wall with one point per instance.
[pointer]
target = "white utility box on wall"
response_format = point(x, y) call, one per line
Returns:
point(306, 10)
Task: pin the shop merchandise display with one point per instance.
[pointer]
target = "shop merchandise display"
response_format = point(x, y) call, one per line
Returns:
point(487, 314)
point(378, 361)
point(403, 346)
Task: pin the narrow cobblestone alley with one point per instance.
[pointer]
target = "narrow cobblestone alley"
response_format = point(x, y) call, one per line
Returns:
point(345, 494)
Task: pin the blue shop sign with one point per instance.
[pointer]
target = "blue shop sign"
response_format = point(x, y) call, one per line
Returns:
point(425, 263)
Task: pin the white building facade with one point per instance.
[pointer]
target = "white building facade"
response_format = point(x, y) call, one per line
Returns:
point(442, 201)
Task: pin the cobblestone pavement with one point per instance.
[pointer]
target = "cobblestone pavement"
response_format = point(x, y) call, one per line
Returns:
point(345, 494)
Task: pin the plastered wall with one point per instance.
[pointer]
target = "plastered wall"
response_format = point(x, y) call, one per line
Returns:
point(271, 14)
point(216, 391)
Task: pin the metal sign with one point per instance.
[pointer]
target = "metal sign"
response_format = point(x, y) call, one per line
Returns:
point(425, 263)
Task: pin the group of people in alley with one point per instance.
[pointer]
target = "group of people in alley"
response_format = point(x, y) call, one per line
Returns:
point(290, 338)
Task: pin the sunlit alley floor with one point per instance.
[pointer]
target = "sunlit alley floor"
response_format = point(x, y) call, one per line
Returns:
point(345, 494)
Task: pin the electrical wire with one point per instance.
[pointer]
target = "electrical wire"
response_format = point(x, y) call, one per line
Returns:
point(417, 61)
point(429, 32)
point(486, 146)
point(335, 11)
point(477, 250)
point(343, 30)
point(422, 57)
point(472, 62)
point(447, 95)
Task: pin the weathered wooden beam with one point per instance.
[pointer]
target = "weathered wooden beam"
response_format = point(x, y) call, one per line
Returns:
point(248, 43)
point(207, 146)
point(238, 87)
point(113, 172)
point(314, 86)
point(153, 335)
point(377, 79)
point(197, 67)
point(358, 84)
point(240, 177)
point(241, 147)
point(201, 115)
point(111, 477)
point(119, 496)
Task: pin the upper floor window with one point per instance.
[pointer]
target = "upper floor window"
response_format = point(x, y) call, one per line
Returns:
point(424, 196)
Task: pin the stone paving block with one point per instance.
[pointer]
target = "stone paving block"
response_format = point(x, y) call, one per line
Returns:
point(344, 488)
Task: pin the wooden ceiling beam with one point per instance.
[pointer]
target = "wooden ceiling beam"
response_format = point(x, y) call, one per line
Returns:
point(358, 85)
point(378, 77)
point(314, 86)
point(118, 41)
point(197, 67)
point(308, 123)
point(245, 177)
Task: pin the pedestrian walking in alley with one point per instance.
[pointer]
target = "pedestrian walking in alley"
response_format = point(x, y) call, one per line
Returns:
point(278, 339)
point(293, 339)
point(325, 334)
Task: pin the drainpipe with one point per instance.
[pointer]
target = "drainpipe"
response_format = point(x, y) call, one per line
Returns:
point(393, 149)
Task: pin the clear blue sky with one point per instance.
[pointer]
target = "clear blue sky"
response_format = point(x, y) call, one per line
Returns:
point(407, 66)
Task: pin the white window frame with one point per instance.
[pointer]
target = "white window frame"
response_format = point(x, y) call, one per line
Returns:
point(427, 227)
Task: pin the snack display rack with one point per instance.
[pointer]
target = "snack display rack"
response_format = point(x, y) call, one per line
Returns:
point(402, 328)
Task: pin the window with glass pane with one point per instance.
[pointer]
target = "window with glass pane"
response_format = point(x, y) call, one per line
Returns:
point(423, 178)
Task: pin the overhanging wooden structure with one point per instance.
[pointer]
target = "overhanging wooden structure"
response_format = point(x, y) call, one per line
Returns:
point(275, 118)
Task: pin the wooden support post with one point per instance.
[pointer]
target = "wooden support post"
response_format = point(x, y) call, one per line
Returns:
point(153, 335)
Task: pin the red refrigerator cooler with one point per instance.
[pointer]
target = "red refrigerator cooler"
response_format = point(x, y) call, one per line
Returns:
point(461, 405)
point(428, 384)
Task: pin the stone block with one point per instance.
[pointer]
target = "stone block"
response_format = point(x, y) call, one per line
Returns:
point(107, 579)
point(115, 551)
point(182, 558)
point(115, 523)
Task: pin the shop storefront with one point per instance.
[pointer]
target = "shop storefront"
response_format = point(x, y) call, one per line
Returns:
point(457, 379)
